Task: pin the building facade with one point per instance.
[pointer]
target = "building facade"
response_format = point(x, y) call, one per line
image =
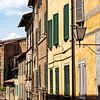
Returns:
point(20, 84)
point(1, 64)
point(27, 22)
point(59, 49)
point(87, 55)
point(14, 46)
point(40, 48)
point(36, 57)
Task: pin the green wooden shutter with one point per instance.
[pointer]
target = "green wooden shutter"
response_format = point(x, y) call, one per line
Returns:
point(66, 80)
point(66, 22)
point(45, 22)
point(39, 30)
point(49, 33)
point(57, 80)
point(55, 29)
point(45, 74)
point(51, 81)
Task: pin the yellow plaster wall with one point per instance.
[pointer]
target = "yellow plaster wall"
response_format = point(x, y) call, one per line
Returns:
point(84, 53)
point(56, 57)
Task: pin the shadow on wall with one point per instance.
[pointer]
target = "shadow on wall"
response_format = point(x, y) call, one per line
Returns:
point(98, 97)
point(60, 97)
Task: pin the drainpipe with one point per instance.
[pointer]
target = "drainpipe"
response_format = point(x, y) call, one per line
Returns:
point(47, 47)
point(73, 49)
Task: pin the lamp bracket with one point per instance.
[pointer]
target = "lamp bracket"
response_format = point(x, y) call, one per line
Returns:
point(87, 45)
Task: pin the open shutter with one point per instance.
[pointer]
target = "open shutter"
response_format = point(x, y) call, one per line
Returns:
point(55, 29)
point(51, 81)
point(45, 74)
point(57, 80)
point(50, 34)
point(66, 80)
point(66, 22)
point(39, 30)
point(79, 10)
point(45, 22)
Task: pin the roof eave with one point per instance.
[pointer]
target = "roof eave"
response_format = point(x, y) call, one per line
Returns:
point(24, 21)
point(31, 3)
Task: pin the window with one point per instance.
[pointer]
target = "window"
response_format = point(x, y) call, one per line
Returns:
point(79, 11)
point(82, 78)
point(39, 76)
point(0, 60)
point(19, 91)
point(66, 80)
point(51, 81)
point(36, 79)
point(66, 22)
point(39, 2)
point(30, 69)
point(39, 30)
point(31, 35)
point(28, 39)
point(55, 29)
point(45, 22)
point(57, 80)
point(49, 33)
point(45, 74)
point(16, 90)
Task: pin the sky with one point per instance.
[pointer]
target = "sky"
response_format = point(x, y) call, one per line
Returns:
point(11, 12)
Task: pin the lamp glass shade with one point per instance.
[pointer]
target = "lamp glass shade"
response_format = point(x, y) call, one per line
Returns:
point(80, 33)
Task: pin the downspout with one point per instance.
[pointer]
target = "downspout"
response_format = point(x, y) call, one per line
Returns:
point(73, 50)
point(47, 45)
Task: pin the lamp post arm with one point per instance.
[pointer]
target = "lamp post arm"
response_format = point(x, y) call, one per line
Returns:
point(90, 47)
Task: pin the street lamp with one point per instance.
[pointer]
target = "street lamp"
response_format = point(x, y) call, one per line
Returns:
point(79, 33)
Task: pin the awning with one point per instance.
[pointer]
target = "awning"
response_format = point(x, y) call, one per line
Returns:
point(25, 19)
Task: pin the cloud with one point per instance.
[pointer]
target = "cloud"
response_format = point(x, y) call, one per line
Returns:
point(11, 36)
point(13, 7)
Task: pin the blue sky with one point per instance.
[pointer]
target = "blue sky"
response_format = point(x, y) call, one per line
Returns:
point(11, 12)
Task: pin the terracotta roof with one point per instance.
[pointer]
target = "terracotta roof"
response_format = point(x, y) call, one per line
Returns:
point(11, 40)
point(25, 19)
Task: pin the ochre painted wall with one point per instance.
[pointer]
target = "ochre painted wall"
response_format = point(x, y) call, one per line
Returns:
point(84, 52)
point(56, 57)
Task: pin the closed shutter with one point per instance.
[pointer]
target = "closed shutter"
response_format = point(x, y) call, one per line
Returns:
point(79, 10)
point(57, 80)
point(82, 78)
point(45, 74)
point(45, 22)
point(66, 22)
point(55, 29)
point(51, 81)
point(66, 80)
point(50, 34)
